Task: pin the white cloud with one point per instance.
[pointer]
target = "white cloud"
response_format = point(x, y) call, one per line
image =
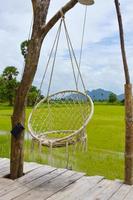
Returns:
point(101, 62)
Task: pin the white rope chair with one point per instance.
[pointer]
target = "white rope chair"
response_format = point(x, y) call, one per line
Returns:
point(60, 119)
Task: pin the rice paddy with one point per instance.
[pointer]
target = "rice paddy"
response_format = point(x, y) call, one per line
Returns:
point(105, 143)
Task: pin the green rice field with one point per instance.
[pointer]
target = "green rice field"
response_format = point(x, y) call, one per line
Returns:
point(105, 143)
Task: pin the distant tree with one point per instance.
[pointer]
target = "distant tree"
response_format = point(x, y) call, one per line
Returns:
point(112, 98)
point(123, 101)
point(10, 82)
point(33, 94)
point(9, 85)
point(3, 93)
point(10, 73)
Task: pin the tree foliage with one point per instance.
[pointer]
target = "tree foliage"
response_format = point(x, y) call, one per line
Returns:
point(112, 98)
point(33, 94)
point(3, 92)
point(9, 84)
point(10, 73)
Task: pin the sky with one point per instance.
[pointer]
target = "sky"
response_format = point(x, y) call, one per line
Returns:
point(101, 64)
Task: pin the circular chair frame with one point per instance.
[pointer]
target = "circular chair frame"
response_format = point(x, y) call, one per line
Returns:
point(70, 139)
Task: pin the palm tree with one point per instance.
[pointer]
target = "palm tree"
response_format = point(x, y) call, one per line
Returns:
point(10, 73)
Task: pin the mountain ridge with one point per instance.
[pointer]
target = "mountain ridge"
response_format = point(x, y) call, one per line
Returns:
point(102, 95)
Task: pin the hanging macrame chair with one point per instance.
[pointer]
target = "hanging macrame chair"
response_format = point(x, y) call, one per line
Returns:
point(60, 119)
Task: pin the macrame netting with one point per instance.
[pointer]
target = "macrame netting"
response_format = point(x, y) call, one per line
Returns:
point(61, 118)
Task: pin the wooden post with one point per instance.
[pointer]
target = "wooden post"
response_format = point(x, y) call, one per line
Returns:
point(128, 104)
point(129, 135)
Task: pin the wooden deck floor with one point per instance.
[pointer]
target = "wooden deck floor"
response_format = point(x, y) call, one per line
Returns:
point(44, 182)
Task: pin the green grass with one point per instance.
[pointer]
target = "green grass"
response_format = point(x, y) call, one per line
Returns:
point(105, 143)
point(5, 114)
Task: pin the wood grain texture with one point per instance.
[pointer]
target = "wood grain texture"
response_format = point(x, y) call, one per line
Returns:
point(129, 135)
point(48, 183)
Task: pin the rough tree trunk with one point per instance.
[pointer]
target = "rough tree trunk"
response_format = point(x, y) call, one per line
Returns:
point(16, 167)
point(40, 29)
point(129, 135)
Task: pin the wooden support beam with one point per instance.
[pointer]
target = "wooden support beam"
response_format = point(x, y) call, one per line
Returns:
point(129, 135)
point(46, 27)
point(128, 104)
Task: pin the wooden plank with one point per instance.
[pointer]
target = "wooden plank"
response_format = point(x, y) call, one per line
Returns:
point(1, 159)
point(107, 192)
point(121, 193)
point(23, 181)
point(18, 189)
point(95, 192)
point(5, 168)
point(3, 174)
point(45, 182)
point(4, 162)
point(35, 174)
point(129, 196)
point(30, 166)
point(78, 188)
point(5, 182)
point(8, 188)
point(49, 188)
point(4, 171)
point(48, 177)
point(11, 195)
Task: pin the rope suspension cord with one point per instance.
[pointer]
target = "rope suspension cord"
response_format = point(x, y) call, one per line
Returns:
point(74, 56)
point(53, 65)
point(70, 53)
point(51, 76)
point(70, 48)
point(82, 40)
point(47, 65)
point(55, 43)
